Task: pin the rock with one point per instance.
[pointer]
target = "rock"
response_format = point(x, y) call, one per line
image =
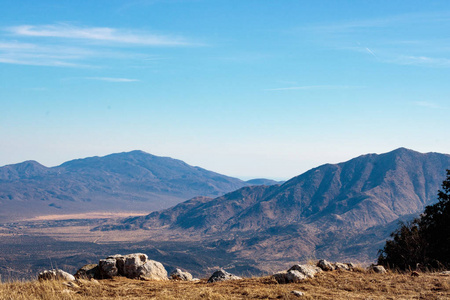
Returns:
point(341, 266)
point(297, 293)
point(55, 274)
point(325, 265)
point(152, 269)
point(120, 262)
point(134, 265)
point(307, 270)
point(445, 273)
point(290, 276)
point(378, 269)
point(351, 266)
point(88, 271)
point(221, 275)
point(107, 268)
point(178, 274)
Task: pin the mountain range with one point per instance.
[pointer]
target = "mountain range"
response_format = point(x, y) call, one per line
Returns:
point(341, 211)
point(344, 210)
point(123, 182)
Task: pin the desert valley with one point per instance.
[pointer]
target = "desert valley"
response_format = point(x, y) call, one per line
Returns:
point(340, 212)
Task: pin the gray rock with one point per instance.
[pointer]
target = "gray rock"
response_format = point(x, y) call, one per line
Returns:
point(378, 269)
point(120, 261)
point(133, 264)
point(152, 269)
point(325, 265)
point(55, 274)
point(307, 270)
point(298, 293)
point(290, 276)
point(446, 273)
point(108, 268)
point(136, 265)
point(221, 275)
point(178, 274)
point(88, 271)
point(341, 266)
point(351, 266)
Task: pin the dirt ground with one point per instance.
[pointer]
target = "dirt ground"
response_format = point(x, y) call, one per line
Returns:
point(326, 285)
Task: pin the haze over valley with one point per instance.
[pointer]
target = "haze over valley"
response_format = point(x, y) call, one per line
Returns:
point(339, 211)
point(255, 137)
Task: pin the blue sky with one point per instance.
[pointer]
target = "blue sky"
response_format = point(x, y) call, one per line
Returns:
point(245, 88)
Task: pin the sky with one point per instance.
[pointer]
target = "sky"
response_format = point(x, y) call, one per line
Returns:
point(246, 88)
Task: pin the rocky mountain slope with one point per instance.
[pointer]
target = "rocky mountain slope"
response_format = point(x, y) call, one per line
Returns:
point(335, 211)
point(127, 182)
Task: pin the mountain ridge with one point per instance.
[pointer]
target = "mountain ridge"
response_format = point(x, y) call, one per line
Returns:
point(314, 211)
point(133, 181)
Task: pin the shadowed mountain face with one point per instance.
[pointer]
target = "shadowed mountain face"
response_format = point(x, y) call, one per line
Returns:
point(128, 182)
point(336, 210)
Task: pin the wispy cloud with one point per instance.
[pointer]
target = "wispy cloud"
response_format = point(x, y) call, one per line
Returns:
point(317, 87)
point(426, 104)
point(41, 62)
point(43, 55)
point(390, 39)
point(102, 34)
point(112, 79)
point(380, 23)
point(422, 61)
point(63, 45)
point(370, 52)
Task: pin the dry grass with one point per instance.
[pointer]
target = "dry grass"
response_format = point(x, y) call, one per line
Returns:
point(330, 285)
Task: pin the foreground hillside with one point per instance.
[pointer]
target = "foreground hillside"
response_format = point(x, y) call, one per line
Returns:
point(327, 285)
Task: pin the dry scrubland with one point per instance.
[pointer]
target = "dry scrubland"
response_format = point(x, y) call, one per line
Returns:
point(326, 285)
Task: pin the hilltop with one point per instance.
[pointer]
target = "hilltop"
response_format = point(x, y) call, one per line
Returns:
point(327, 285)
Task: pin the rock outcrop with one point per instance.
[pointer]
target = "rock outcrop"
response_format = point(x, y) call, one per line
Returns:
point(325, 265)
point(178, 274)
point(222, 275)
point(88, 271)
point(134, 265)
point(55, 274)
point(298, 273)
point(341, 266)
point(108, 268)
point(291, 276)
point(307, 270)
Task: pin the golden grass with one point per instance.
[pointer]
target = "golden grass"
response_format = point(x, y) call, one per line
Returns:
point(328, 285)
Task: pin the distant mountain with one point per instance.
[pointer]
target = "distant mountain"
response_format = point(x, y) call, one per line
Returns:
point(336, 211)
point(263, 181)
point(127, 182)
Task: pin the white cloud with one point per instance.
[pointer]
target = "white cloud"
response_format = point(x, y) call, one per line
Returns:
point(102, 34)
point(60, 45)
point(46, 55)
point(112, 79)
